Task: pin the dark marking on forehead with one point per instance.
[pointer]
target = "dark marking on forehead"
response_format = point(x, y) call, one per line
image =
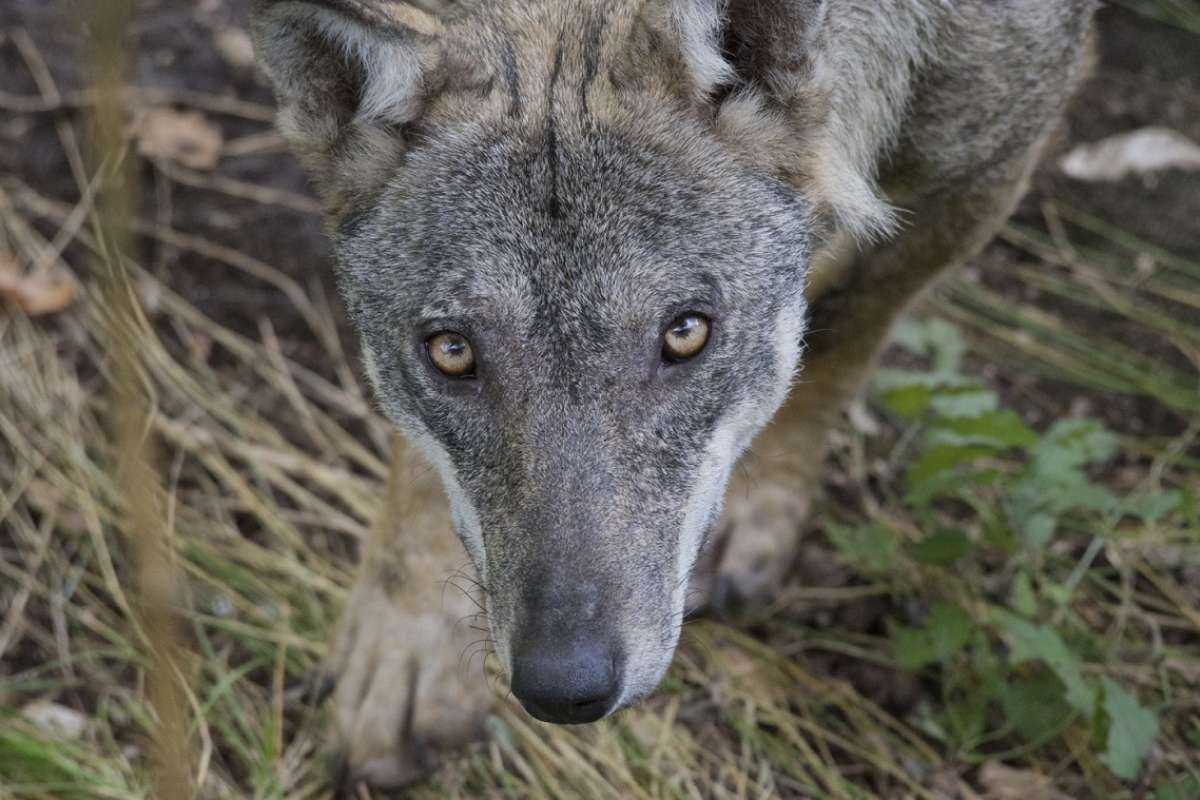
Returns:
point(591, 58)
point(509, 58)
point(486, 88)
point(555, 74)
point(553, 207)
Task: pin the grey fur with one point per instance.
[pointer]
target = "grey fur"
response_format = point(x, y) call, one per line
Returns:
point(561, 179)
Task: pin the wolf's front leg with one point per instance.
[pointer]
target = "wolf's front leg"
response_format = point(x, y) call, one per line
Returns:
point(768, 500)
point(408, 682)
point(771, 491)
point(852, 313)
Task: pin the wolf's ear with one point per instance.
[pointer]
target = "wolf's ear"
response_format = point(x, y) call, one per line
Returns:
point(726, 43)
point(762, 66)
point(348, 75)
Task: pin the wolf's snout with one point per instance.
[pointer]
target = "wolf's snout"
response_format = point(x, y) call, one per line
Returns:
point(567, 682)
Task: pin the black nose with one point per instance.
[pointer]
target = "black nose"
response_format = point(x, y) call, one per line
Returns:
point(566, 684)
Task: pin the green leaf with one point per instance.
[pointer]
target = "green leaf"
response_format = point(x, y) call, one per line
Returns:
point(1153, 507)
point(966, 717)
point(871, 547)
point(885, 379)
point(935, 338)
point(1028, 642)
point(910, 392)
point(1038, 528)
point(946, 344)
point(947, 630)
point(909, 333)
point(969, 401)
point(947, 484)
point(1057, 594)
point(907, 401)
point(985, 663)
point(1035, 705)
point(1000, 536)
point(1024, 599)
point(944, 547)
point(1040, 497)
point(1072, 443)
point(1184, 788)
point(911, 647)
point(1190, 508)
point(1132, 730)
point(940, 458)
point(1001, 429)
point(1081, 494)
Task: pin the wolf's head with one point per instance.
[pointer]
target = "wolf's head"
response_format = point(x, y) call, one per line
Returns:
point(573, 238)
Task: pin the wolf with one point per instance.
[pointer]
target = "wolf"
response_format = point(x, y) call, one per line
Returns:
point(593, 250)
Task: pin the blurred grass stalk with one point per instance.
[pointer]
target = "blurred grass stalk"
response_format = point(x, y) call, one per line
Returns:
point(143, 518)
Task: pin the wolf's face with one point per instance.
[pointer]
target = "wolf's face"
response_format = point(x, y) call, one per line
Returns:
point(582, 334)
point(574, 296)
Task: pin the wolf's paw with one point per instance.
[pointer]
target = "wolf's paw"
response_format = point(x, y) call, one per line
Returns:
point(409, 686)
point(756, 542)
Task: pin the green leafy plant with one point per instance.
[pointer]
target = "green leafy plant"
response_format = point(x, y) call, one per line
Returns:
point(1011, 523)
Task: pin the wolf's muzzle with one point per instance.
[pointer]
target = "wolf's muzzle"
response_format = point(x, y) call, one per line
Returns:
point(567, 682)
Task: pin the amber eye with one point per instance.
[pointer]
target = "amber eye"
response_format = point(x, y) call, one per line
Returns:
point(685, 337)
point(451, 353)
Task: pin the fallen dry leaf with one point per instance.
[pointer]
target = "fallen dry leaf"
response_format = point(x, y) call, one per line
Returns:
point(185, 137)
point(1006, 783)
point(59, 721)
point(1134, 153)
point(44, 292)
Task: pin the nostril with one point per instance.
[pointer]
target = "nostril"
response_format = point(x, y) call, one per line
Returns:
point(584, 704)
point(589, 701)
point(566, 685)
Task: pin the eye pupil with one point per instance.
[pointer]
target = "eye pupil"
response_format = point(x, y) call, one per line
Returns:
point(452, 354)
point(686, 336)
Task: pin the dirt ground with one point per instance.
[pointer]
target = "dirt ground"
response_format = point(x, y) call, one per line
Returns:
point(209, 227)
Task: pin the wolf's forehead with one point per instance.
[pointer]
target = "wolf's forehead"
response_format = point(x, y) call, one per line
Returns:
point(567, 290)
point(591, 211)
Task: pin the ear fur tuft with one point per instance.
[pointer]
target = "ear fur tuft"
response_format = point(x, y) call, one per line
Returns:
point(698, 25)
point(779, 111)
point(346, 74)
